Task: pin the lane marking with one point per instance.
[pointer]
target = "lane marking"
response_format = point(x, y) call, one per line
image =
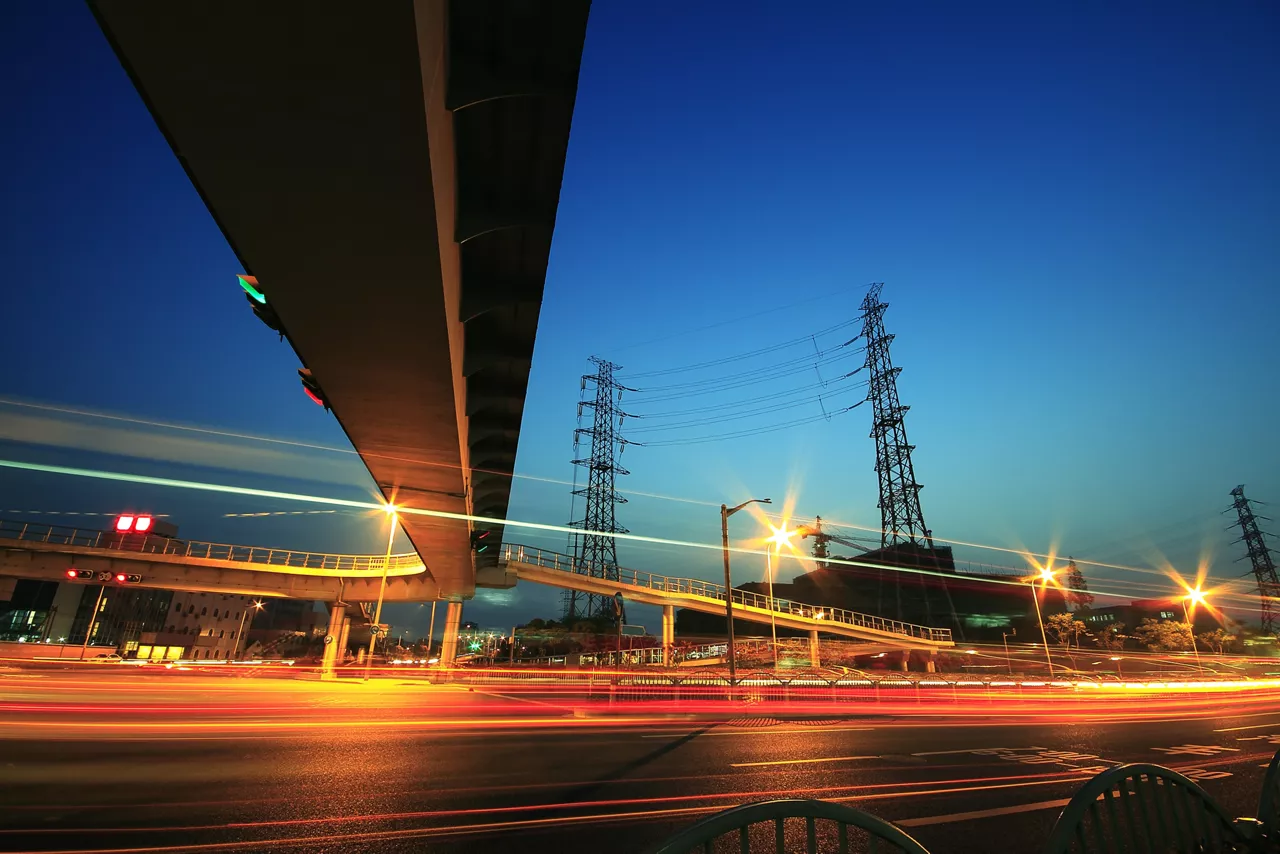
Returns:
point(927, 820)
point(978, 751)
point(798, 761)
point(756, 732)
point(1257, 726)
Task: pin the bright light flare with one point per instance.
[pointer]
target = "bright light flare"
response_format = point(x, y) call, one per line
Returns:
point(1195, 596)
point(124, 524)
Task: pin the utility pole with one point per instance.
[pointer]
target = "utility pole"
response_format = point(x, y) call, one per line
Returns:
point(725, 513)
point(595, 553)
point(1264, 566)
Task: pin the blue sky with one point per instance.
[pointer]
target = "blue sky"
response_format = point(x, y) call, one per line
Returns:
point(1072, 207)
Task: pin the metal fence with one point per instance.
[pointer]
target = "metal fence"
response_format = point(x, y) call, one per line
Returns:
point(710, 590)
point(111, 541)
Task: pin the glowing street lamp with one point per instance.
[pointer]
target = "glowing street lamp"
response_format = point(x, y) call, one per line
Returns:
point(240, 647)
point(1046, 575)
point(781, 536)
point(725, 513)
point(392, 519)
point(1196, 597)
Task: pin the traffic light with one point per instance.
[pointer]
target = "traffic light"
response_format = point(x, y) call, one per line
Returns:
point(480, 541)
point(79, 574)
point(130, 524)
point(258, 302)
point(312, 388)
point(123, 578)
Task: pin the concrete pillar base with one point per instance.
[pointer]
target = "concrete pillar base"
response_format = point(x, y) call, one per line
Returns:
point(814, 660)
point(904, 660)
point(931, 663)
point(668, 633)
point(449, 643)
point(337, 613)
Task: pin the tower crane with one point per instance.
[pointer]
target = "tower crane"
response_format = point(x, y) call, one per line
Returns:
point(821, 538)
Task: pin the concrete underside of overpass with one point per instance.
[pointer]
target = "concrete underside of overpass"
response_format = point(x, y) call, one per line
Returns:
point(389, 172)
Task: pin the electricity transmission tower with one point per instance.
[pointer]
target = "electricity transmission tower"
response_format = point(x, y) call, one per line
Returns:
point(1264, 567)
point(901, 520)
point(594, 554)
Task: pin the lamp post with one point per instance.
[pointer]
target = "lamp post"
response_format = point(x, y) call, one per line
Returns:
point(1008, 660)
point(1046, 575)
point(780, 536)
point(431, 632)
point(725, 513)
point(390, 510)
point(1197, 598)
point(239, 648)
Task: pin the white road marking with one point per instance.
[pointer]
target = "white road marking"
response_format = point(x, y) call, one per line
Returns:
point(924, 821)
point(1256, 726)
point(798, 761)
point(757, 731)
point(977, 751)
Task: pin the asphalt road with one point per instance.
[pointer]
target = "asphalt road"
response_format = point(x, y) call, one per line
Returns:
point(115, 761)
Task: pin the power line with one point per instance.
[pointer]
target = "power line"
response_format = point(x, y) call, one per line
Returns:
point(807, 359)
point(698, 422)
point(747, 355)
point(749, 378)
point(753, 432)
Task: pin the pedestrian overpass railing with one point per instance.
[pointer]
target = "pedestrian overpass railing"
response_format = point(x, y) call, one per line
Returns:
point(157, 545)
point(512, 552)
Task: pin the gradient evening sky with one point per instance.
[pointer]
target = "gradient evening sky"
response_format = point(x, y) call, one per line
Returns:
point(1073, 207)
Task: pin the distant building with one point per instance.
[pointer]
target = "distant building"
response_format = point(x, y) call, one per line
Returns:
point(1131, 615)
point(917, 585)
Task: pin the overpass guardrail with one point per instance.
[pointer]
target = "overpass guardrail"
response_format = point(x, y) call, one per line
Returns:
point(151, 544)
point(512, 552)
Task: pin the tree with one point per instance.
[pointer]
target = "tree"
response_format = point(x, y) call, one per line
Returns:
point(1217, 640)
point(1078, 594)
point(1164, 634)
point(1064, 628)
point(1111, 636)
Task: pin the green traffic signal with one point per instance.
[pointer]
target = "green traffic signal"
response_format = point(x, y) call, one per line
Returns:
point(249, 283)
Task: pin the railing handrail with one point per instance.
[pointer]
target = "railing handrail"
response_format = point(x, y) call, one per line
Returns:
point(196, 550)
point(709, 589)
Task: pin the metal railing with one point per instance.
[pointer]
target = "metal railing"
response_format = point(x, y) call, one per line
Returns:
point(109, 540)
point(711, 590)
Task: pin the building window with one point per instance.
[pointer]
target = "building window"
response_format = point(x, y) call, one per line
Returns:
point(205, 611)
point(215, 613)
point(223, 633)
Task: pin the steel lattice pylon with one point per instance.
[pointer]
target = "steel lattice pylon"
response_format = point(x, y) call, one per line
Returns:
point(900, 518)
point(1264, 567)
point(594, 554)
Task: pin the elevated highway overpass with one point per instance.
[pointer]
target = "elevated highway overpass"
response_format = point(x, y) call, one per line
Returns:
point(389, 173)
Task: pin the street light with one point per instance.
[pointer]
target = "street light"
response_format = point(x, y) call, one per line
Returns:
point(240, 631)
point(390, 510)
point(1008, 660)
point(725, 513)
point(780, 536)
point(1046, 575)
point(1196, 597)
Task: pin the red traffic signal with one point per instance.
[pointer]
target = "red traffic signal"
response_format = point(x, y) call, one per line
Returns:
point(79, 573)
point(129, 524)
point(122, 578)
point(312, 388)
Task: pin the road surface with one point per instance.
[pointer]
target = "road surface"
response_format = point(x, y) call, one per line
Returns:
point(114, 759)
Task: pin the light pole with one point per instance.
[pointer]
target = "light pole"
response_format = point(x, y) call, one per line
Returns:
point(725, 513)
point(1046, 575)
point(431, 632)
point(1197, 598)
point(1008, 660)
point(239, 648)
point(780, 536)
point(92, 619)
point(390, 510)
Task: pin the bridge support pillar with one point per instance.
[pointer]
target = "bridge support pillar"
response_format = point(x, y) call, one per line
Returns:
point(337, 613)
point(342, 642)
point(814, 660)
point(668, 633)
point(903, 660)
point(931, 662)
point(449, 643)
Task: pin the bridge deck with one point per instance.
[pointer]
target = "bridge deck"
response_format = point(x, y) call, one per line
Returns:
point(544, 567)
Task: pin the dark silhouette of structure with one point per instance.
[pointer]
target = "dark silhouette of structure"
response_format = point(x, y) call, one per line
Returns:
point(1264, 566)
point(593, 553)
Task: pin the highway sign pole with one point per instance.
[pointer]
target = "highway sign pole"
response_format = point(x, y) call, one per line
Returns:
point(92, 619)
